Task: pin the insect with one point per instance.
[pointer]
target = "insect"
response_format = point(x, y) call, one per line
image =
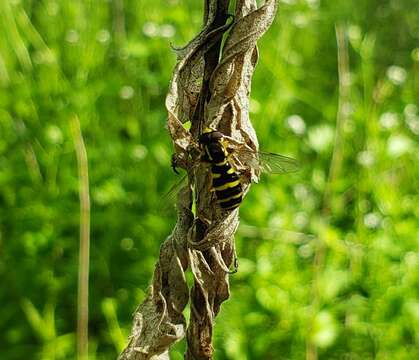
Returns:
point(226, 180)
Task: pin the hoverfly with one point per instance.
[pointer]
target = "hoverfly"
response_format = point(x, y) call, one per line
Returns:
point(226, 179)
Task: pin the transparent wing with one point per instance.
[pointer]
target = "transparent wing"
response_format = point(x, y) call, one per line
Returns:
point(269, 162)
point(169, 198)
point(277, 164)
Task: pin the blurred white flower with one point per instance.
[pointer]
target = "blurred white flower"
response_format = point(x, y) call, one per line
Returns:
point(300, 220)
point(276, 221)
point(264, 266)
point(314, 4)
point(410, 110)
point(294, 58)
point(389, 120)
point(301, 192)
point(54, 134)
point(300, 20)
point(103, 36)
point(398, 145)
point(372, 220)
point(72, 36)
point(150, 29)
point(139, 152)
point(321, 137)
point(396, 74)
point(366, 158)
point(296, 124)
point(324, 329)
point(413, 124)
point(167, 31)
point(126, 92)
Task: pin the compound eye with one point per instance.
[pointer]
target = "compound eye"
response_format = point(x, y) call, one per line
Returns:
point(216, 135)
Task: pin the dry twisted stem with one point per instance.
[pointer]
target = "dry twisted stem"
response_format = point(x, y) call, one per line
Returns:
point(204, 242)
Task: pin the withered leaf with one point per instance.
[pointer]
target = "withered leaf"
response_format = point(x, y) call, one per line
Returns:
point(158, 321)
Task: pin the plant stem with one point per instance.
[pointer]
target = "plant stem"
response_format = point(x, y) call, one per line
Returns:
point(335, 165)
point(83, 267)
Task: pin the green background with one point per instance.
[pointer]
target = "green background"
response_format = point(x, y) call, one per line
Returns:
point(326, 265)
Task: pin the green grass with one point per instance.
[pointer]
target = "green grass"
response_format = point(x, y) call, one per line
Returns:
point(347, 287)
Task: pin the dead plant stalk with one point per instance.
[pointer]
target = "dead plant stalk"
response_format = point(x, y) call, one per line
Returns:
point(210, 87)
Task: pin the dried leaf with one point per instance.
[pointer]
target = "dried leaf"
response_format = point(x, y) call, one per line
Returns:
point(158, 321)
point(206, 242)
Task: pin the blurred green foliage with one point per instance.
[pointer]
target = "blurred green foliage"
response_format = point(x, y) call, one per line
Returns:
point(336, 270)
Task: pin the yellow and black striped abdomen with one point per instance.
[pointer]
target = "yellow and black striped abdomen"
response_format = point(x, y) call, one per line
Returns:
point(227, 186)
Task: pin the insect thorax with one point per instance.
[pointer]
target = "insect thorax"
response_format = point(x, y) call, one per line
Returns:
point(212, 146)
point(215, 152)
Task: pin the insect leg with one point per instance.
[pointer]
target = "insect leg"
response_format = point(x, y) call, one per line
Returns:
point(174, 163)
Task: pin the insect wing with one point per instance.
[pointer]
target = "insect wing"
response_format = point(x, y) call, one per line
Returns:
point(269, 162)
point(276, 163)
point(170, 197)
